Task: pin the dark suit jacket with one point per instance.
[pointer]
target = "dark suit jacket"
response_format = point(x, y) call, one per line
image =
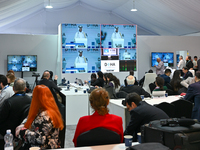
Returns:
point(166, 78)
point(12, 112)
point(193, 95)
point(188, 74)
point(142, 114)
point(135, 88)
point(189, 64)
point(98, 82)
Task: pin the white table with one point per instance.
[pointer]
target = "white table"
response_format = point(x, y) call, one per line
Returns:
point(120, 146)
point(115, 106)
point(76, 104)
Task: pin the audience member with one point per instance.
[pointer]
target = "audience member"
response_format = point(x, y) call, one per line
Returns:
point(187, 73)
point(193, 95)
point(134, 88)
point(160, 84)
point(99, 82)
point(99, 100)
point(14, 109)
point(189, 63)
point(198, 64)
point(141, 113)
point(166, 76)
point(176, 81)
point(54, 89)
point(43, 123)
point(141, 82)
point(55, 77)
point(93, 78)
point(188, 81)
point(11, 78)
point(11, 71)
point(195, 63)
point(181, 63)
point(7, 91)
point(160, 67)
point(113, 81)
point(131, 73)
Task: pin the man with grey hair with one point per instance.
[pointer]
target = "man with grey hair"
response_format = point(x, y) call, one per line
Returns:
point(160, 67)
point(14, 109)
point(134, 88)
point(181, 63)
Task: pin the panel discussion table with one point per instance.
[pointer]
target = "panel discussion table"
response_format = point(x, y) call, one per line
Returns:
point(76, 103)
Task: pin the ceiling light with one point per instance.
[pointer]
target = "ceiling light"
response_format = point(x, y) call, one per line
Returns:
point(49, 5)
point(133, 9)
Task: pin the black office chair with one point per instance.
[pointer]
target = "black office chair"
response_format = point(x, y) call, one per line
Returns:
point(98, 136)
point(121, 94)
point(168, 108)
point(183, 108)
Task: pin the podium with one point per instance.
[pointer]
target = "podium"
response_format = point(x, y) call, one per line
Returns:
point(81, 67)
point(127, 57)
point(117, 43)
point(81, 42)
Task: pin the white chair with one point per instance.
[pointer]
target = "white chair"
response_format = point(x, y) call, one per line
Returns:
point(149, 78)
point(193, 72)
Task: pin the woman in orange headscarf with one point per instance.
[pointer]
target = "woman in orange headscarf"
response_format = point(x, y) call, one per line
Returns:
point(44, 121)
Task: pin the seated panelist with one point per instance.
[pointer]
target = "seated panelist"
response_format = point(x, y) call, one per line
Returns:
point(99, 100)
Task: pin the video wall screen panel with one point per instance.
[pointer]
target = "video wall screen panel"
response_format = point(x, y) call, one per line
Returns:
point(99, 47)
point(166, 57)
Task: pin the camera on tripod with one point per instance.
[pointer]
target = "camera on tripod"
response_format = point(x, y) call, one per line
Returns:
point(35, 74)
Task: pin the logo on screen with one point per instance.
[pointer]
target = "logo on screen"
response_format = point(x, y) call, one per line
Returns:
point(109, 64)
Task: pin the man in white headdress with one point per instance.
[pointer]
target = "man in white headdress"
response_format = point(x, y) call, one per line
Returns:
point(116, 34)
point(80, 58)
point(80, 33)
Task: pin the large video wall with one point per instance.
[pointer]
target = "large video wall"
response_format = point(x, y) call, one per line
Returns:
point(88, 48)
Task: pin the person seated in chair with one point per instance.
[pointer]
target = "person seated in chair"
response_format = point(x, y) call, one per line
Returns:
point(187, 73)
point(141, 82)
point(131, 73)
point(193, 94)
point(166, 76)
point(141, 113)
point(160, 84)
point(134, 88)
point(99, 100)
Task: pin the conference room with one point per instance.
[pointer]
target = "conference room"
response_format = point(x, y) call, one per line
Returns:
point(49, 38)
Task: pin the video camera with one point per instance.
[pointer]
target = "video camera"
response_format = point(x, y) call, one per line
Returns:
point(35, 74)
point(172, 122)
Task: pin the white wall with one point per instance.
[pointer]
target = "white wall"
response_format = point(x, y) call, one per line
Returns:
point(148, 44)
point(44, 46)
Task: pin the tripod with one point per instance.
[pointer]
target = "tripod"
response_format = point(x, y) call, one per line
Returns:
point(35, 82)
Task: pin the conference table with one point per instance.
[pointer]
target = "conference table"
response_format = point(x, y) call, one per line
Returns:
point(120, 146)
point(76, 103)
point(115, 106)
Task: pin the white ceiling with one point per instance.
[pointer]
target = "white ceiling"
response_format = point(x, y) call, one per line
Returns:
point(160, 17)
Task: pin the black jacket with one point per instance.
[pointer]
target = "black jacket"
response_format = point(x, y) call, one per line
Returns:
point(98, 82)
point(135, 88)
point(189, 64)
point(142, 114)
point(13, 111)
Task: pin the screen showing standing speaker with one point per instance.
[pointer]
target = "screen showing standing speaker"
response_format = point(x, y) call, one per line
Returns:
point(22, 63)
point(98, 47)
point(166, 57)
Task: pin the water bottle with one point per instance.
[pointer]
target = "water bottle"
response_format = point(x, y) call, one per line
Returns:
point(8, 138)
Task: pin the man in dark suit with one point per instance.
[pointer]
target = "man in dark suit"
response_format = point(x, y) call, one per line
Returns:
point(187, 73)
point(193, 95)
point(14, 109)
point(189, 63)
point(134, 88)
point(166, 76)
point(141, 113)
